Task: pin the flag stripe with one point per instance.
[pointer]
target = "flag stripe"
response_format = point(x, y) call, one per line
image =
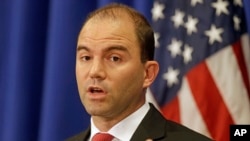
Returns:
point(212, 108)
point(238, 50)
point(222, 65)
point(171, 110)
point(150, 98)
point(191, 113)
point(246, 51)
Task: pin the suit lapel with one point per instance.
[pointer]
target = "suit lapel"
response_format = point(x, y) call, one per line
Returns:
point(83, 136)
point(151, 127)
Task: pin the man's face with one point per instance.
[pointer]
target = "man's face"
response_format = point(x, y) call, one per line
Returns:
point(109, 71)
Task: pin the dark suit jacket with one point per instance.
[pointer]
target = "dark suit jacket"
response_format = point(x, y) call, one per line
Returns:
point(155, 127)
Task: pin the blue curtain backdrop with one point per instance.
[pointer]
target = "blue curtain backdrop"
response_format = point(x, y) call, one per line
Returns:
point(38, 94)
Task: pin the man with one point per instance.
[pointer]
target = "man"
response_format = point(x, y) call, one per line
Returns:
point(114, 67)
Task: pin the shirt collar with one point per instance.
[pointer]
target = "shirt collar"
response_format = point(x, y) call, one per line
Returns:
point(125, 129)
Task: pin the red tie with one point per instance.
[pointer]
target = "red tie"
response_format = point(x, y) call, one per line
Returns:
point(102, 137)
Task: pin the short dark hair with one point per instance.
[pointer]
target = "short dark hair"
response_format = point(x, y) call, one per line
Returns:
point(143, 30)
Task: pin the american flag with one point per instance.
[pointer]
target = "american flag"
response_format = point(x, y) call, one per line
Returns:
point(204, 54)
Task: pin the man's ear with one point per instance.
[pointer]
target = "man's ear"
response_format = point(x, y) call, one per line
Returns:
point(151, 71)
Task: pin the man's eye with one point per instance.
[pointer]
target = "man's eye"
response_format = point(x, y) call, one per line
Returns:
point(85, 58)
point(115, 58)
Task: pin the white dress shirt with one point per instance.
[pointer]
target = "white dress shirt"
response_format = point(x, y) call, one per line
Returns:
point(124, 130)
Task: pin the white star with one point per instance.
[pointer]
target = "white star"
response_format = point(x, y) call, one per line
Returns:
point(187, 54)
point(194, 2)
point(175, 47)
point(237, 21)
point(191, 25)
point(214, 34)
point(157, 36)
point(178, 18)
point(221, 7)
point(238, 2)
point(157, 11)
point(171, 76)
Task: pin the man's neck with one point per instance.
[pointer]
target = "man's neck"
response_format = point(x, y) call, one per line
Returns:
point(124, 129)
point(106, 123)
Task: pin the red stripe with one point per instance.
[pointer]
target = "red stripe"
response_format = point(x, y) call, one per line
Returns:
point(171, 110)
point(210, 103)
point(237, 48)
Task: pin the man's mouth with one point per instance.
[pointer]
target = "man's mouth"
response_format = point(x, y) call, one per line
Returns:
point(95, 90)
point(96, 93)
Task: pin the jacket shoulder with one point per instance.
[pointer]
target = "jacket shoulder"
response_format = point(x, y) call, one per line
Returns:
point(82, 136)
point(155, 126)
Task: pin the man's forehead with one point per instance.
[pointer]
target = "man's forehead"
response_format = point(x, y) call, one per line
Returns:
point(97, 29)
point(111, 17)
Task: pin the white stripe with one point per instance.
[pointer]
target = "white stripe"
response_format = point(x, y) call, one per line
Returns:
point(190, 115)
point(150, 98)
point(225, 71)
point(246, 52)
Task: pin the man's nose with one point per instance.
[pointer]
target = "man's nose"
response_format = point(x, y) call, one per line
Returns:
point(97, 70)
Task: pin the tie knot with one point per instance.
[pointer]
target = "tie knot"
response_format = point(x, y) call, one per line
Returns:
point(102, 137)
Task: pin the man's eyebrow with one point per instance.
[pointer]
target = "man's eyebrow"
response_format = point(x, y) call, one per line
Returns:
point(121, 48)
point(82, 48)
